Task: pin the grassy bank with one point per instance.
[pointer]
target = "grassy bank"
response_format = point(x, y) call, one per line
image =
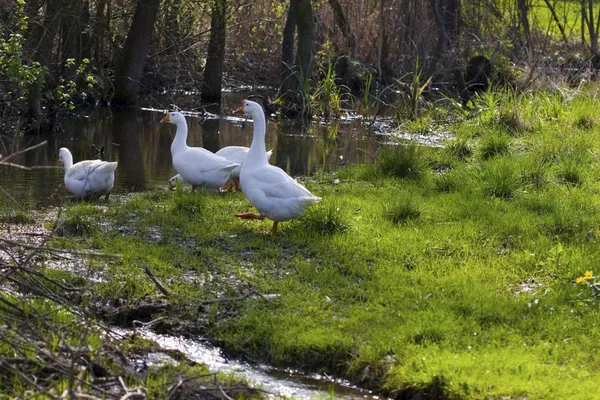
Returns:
point(437, 269)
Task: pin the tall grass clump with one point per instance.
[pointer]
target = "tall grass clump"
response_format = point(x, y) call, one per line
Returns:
point(493, 144)
point(328, 218)
point(534, 170)
point(402, 209)
point(189, 204)
point(17, 217)
point(402, 161)
point(571, 170)
point(76, 225)
point(459, 147)
point(500, 177)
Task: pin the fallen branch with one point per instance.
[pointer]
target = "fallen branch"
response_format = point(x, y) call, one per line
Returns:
point(156, 282)
point(251, 293)
point(8, 157)
point(137, 323)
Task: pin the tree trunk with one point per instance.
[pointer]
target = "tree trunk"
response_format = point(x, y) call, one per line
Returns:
point(523, 7)
point(133, 58)
point(294, 89)
point(213, 73)
point(450, 10)
point(343, 23)
point(561, 28)
point(73, 38)
point(41, 38)
point(305, 24)
point(287, 51)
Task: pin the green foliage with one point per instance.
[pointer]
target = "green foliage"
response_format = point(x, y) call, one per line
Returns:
point(411, 98)
point(327, 95)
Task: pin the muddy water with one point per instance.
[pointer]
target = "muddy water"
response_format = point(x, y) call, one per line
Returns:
point(278, 383)
point(142, 147)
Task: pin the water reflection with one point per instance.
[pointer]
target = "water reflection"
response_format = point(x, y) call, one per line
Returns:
point(142, 147)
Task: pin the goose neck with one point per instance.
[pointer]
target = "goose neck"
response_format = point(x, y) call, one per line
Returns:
point(258, 147)
point(180, 140)
point(67, 160)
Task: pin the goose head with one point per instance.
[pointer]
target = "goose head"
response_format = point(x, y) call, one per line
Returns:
point(173, 117)
point(250, 108)
point(64, 155)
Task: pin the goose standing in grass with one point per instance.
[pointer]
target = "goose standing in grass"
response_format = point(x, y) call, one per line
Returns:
point(196, 165)
point(88, 179)
point(275, 194)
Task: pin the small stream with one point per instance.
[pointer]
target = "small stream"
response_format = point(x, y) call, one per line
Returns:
point(277, 382)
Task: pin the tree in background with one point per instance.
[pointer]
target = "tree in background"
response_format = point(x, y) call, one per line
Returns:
point(293, 90)
point(133, 57)
point(213, 72)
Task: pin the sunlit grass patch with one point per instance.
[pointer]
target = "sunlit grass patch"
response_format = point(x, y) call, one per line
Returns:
point(402, 161)
point(190, 204)
point(402, 209)
point(459, 147)
point(500, 177)
point(326, 219)
point(493, 144)
point(76, 226)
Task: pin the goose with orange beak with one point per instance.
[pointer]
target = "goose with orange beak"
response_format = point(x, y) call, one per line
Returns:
point(196, 165)
point(275, 194)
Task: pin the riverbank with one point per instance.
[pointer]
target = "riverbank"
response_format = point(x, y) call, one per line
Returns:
point(456, 272)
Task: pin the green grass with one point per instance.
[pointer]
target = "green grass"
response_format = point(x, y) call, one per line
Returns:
point(462, 281)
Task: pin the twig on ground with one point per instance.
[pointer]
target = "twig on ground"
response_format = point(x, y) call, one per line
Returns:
point(156, 282)
point(137, 323)
point(251, 293)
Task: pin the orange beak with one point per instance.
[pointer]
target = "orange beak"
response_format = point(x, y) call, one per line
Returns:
point(240, 109)
point(165, 119)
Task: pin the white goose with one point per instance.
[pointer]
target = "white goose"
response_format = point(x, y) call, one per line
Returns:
point(275, 194)
point(88, 179)
point(196, 165)
point(235, 154)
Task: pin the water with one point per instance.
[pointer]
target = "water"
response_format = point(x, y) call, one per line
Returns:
point(279, 383)
point(142, 147)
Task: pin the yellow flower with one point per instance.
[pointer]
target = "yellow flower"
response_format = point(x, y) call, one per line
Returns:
point(586, 276)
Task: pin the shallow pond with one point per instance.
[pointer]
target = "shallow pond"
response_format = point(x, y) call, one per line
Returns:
point(141, 145)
